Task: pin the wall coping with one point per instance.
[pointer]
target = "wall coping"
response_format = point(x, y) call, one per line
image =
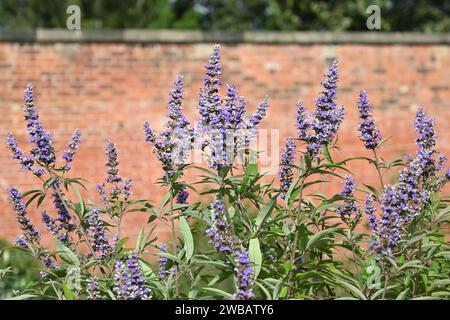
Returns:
point(263, 37)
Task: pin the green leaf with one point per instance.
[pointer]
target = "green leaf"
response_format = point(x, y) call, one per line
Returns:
point(68, 293)
point(22, 297)
point(121, 243)
point(424, 298)
point(293, 191)
point(169, 256)
point(26, 193)
point(402, 294)
point(264, 290)
point(441, 294)
point(264, 212)
point(165, 200)
point(250, 172)
point(373, 190)
point(34, 196)
point(254, 252)
point(441, 283)
point(411, 264)
point(66, 254)
point(187, 237)
point(327, 155)
point(382, 142)
point(353, 289)
point(319, 235)
point(140, 240)
point(220, 292)
point(41, 198)
point(81, 203)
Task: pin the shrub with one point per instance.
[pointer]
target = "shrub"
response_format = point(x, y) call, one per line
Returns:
point(17, 270)
point(264, 241)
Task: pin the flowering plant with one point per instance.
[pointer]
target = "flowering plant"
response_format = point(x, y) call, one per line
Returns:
point(265, 240)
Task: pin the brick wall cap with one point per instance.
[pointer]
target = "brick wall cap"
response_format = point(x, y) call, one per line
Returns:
point(176, 36)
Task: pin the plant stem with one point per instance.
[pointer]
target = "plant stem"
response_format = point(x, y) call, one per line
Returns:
point(386, 281)
point(222, 197)
point(296, 238)
point(174, 240)
point(377, 165)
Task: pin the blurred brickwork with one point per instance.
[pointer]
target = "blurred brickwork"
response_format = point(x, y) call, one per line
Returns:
point(109, 89)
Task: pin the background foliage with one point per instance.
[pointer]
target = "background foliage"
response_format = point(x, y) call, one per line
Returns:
point(231, 15)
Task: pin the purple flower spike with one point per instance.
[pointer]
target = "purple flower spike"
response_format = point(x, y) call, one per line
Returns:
point(126, 188)
point(25, 161)
point(22, 242)
point(176, 116)
point(243, 276)
point(350, 206)
point(219, 233)
point(302, 124)
point(260, 113)
point(97, 232)
point(112, 162)
point(72, 148)
point(234, 108)
point(182, 196)
point(369, 133)
point(327, 116)
point(223, 239)
point(92, 288)
point(31, 234)
point(286, 173)
point(129, 282)
point(139, 290)
point(163, 273)
point(42, 151)
point(173, 145)
point(426, 138)
point(369, 210)
point(209, 102)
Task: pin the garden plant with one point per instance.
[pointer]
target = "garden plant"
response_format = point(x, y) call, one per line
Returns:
point(266, 238)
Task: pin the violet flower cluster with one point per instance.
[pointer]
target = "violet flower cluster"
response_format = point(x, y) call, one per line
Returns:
point(129, 281)
point(173, 145)
point(71, 149)
point(49, 263)
point(326, 119)
point(350, 204)
point(92, 288)
point(369, 210)
point(97, 231)
point(162, 261)
point(118, 186)
point(219, 233)
point(163, 272)
point(63, 224)
point(244, 276)
point(25, 161)
point(222, 238)
point(182, 196)
point(30, 233)
point(287, 161)
point(42, 153)
point(222, 129)
point(369, 133)
point(406, 200)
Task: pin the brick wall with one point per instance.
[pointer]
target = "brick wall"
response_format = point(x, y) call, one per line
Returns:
point(109, 88)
